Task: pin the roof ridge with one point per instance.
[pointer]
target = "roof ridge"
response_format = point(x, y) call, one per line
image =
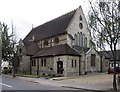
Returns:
point(51, 28)
point(55, 18)
point(67, 13)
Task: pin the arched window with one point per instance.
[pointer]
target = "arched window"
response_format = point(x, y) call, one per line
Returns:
point(80, 17)
point(93, 58)
point(85, 41)
point(76, 39)
point(81, 39)
point(80, 25)
point(45, 43)
point(56, 40)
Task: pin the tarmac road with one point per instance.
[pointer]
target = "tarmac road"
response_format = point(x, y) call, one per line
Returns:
point(10, 84)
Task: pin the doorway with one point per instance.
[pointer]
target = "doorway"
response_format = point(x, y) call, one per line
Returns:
point(59, 67)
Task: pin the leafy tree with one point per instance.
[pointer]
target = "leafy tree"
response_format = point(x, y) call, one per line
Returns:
point(104, 24)
point(8, 45)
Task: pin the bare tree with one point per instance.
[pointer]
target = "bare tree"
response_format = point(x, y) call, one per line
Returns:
point(13, 44)
point(104, 24)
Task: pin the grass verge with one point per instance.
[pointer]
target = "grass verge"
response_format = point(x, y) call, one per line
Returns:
point(27, 75)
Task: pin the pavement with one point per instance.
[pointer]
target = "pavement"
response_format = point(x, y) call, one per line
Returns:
point(97, 82)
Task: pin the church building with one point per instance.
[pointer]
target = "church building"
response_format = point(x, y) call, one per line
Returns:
point(60, 47)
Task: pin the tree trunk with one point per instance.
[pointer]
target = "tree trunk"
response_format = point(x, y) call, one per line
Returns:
point(114, 82)
point(114, 76)
point(13, 72)
point(13, 67)
point(101, 65)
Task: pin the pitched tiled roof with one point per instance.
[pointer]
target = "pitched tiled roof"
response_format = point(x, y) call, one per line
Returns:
point(31, 48)
point(108, 54)
point(51, 28)
point(81, 50)
point(57, 50)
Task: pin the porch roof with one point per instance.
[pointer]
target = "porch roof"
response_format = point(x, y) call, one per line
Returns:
point(57, 51)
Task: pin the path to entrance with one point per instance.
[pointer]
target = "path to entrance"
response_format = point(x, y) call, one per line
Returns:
point(92, 81)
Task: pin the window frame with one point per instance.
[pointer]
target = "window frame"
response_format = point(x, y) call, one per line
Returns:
point(75, 63)
point(93, 59)
point(56, 40)
point(81, 25)
point(46, 43)
point(80, 17)
point(72, 63)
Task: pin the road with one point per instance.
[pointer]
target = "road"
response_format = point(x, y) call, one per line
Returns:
point(10, 84)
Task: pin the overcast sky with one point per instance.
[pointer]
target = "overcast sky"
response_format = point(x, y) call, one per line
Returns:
point(24, 13)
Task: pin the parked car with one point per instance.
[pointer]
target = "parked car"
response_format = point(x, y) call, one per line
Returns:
point(111, 70)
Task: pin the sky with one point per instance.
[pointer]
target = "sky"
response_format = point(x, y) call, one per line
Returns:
point(25, 14)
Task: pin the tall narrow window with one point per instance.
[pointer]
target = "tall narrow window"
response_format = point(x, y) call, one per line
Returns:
point(76, 39)
point(81, 39)
point(72, 63)
point(44, 62)
point(41, 62)
point(93, 57)
point(33, 62)
point(80, 17)
point(75, 63)
point(85, 41)
point(20, 51)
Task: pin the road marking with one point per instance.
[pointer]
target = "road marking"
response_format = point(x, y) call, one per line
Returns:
point(6, 85)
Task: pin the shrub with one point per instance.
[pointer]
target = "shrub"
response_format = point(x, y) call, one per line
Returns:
point(49, 74)
point(53, 75)
point(6, 71)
